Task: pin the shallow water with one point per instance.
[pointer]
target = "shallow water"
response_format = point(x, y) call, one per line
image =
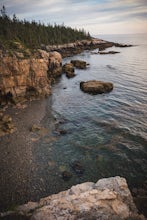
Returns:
point(106, 133)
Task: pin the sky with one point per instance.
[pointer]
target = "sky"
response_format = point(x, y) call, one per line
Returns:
point(95, 16)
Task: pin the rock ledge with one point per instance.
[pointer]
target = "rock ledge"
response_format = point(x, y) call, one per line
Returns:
point(109, 198)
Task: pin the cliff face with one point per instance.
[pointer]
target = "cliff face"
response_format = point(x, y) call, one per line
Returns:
point(28, 77)
point(109, 198)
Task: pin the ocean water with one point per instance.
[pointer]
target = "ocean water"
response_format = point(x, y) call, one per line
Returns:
point(106, 133)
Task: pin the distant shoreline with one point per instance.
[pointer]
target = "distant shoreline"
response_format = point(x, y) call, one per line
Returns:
point(71, 49)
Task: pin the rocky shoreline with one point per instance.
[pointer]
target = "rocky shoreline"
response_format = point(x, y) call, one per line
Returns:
point(31, 78)
point(77, 47)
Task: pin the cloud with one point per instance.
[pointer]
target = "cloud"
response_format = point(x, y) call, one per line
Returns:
point(79, 13)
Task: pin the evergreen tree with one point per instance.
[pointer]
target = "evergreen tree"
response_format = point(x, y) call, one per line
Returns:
point(33, 34)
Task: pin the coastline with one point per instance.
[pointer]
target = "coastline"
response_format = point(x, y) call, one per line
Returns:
point(40, 114)
point(29, 78)
point(71, 49)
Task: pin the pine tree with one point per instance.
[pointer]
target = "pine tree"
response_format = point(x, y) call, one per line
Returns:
point(33, 34)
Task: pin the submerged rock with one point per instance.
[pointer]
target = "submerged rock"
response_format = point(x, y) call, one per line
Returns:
point(96, 87)
point(109, 198)
point(59, 131)
point(39, 130)
point(62, 132)
point(77, 167)
point(68, 68)
point(35, 128)
point(66, 175)
point(80, 64)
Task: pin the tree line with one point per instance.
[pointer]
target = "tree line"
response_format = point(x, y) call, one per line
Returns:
point(33, 34)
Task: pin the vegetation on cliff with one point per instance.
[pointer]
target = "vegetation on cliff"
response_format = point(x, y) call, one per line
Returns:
point(33, 34)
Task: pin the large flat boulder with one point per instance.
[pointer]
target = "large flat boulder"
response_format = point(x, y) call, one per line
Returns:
point(96, 87)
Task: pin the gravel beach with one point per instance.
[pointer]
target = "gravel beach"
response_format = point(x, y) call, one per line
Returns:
point(16, 153)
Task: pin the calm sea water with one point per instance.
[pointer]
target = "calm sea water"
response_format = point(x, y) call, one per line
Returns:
point(106, 133)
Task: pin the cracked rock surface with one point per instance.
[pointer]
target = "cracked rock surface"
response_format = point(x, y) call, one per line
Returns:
point(109, 198)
